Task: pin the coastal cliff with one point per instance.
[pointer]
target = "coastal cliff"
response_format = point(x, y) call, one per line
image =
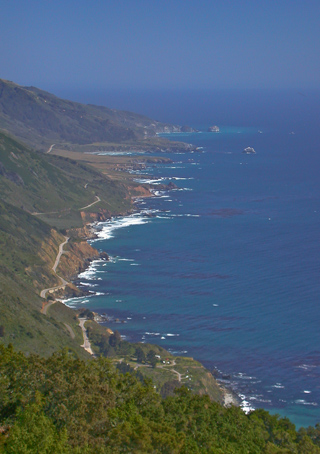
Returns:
point(78, 256)
point(49, 248)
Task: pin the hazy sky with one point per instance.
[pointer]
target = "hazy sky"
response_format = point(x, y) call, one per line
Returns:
point(161, 44)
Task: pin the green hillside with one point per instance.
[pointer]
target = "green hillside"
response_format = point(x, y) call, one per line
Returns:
point(54, 187)
point(24, 269)
point(42, 119)
point(35, 187)
point(78, 407)
point(54, 397)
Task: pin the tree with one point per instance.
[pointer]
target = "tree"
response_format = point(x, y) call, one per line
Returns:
point(151, 357)
point(141, 357)
point(35, 433)
point(115, 339)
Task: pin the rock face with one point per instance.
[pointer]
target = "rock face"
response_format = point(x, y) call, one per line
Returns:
point(249, 150)
point(186, 128)
point(77, 258)
point(174, 128)
point(214, 129)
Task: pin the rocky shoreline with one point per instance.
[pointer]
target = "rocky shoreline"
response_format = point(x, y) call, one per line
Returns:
point(81, 254)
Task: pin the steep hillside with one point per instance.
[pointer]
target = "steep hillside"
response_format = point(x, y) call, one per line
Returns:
point(41, 119)
point(28, 249)
point(77, 407)
point(56, 189)
point(37, 187)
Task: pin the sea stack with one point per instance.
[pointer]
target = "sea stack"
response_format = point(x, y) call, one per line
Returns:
point(249, 150)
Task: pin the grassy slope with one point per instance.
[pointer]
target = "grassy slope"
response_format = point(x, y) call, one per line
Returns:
point(21, 270)
point(55, 186)
point(165, 375)
point(58, 188)
point(41, 119)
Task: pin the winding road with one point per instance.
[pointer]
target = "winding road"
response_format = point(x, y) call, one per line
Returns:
point(86, 343)
point(45, 306)
point(93, 203)
point(63, 281)
point(168, 367)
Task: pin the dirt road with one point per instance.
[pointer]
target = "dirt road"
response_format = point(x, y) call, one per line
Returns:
point(86, 343)
point(63, 282)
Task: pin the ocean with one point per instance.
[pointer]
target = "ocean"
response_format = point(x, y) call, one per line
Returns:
point(226, 267)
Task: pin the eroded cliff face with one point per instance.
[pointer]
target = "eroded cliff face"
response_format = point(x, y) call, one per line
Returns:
point(77, 258)
point(99, 216)
point(41, 271)
point(140, 191)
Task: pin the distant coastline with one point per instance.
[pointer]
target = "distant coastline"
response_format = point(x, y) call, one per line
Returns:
point(230, 396)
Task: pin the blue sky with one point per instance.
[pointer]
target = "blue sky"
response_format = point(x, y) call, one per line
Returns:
point(136, 44)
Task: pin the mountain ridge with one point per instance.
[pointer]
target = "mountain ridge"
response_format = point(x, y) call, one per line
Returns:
point(40, 119)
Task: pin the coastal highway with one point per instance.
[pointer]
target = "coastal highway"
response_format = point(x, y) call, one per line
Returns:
point(86, 343)
point(93, 203)
point(51, 148)
point(61, 251)
point(56, 263)
point(57, 212)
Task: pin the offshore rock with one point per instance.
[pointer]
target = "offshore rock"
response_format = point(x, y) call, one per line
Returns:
point(249, 150)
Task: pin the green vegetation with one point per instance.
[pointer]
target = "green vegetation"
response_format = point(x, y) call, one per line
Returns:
point(69, 403)
point(154, 362)
point(55, 188)
point(28, 245)
point(89, 407)
point(41, 119)
point(24, 270)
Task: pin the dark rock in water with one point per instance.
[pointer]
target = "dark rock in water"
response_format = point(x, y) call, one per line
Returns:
point(215, 373)
point(226, 377)
point(172, 186)
point(104, 256)
point(165, 187)
point(214, 129)
point(249, 150)
point(187, 129)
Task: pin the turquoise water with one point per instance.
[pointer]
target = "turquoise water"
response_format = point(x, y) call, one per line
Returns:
point(226, 269)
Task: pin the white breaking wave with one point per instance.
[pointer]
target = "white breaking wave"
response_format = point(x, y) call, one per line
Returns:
point(90, 272)
point(182, 178)
point(245, 405)
point(303, 402)
point(88, 284)
point(107, 228)
point(150, 181)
